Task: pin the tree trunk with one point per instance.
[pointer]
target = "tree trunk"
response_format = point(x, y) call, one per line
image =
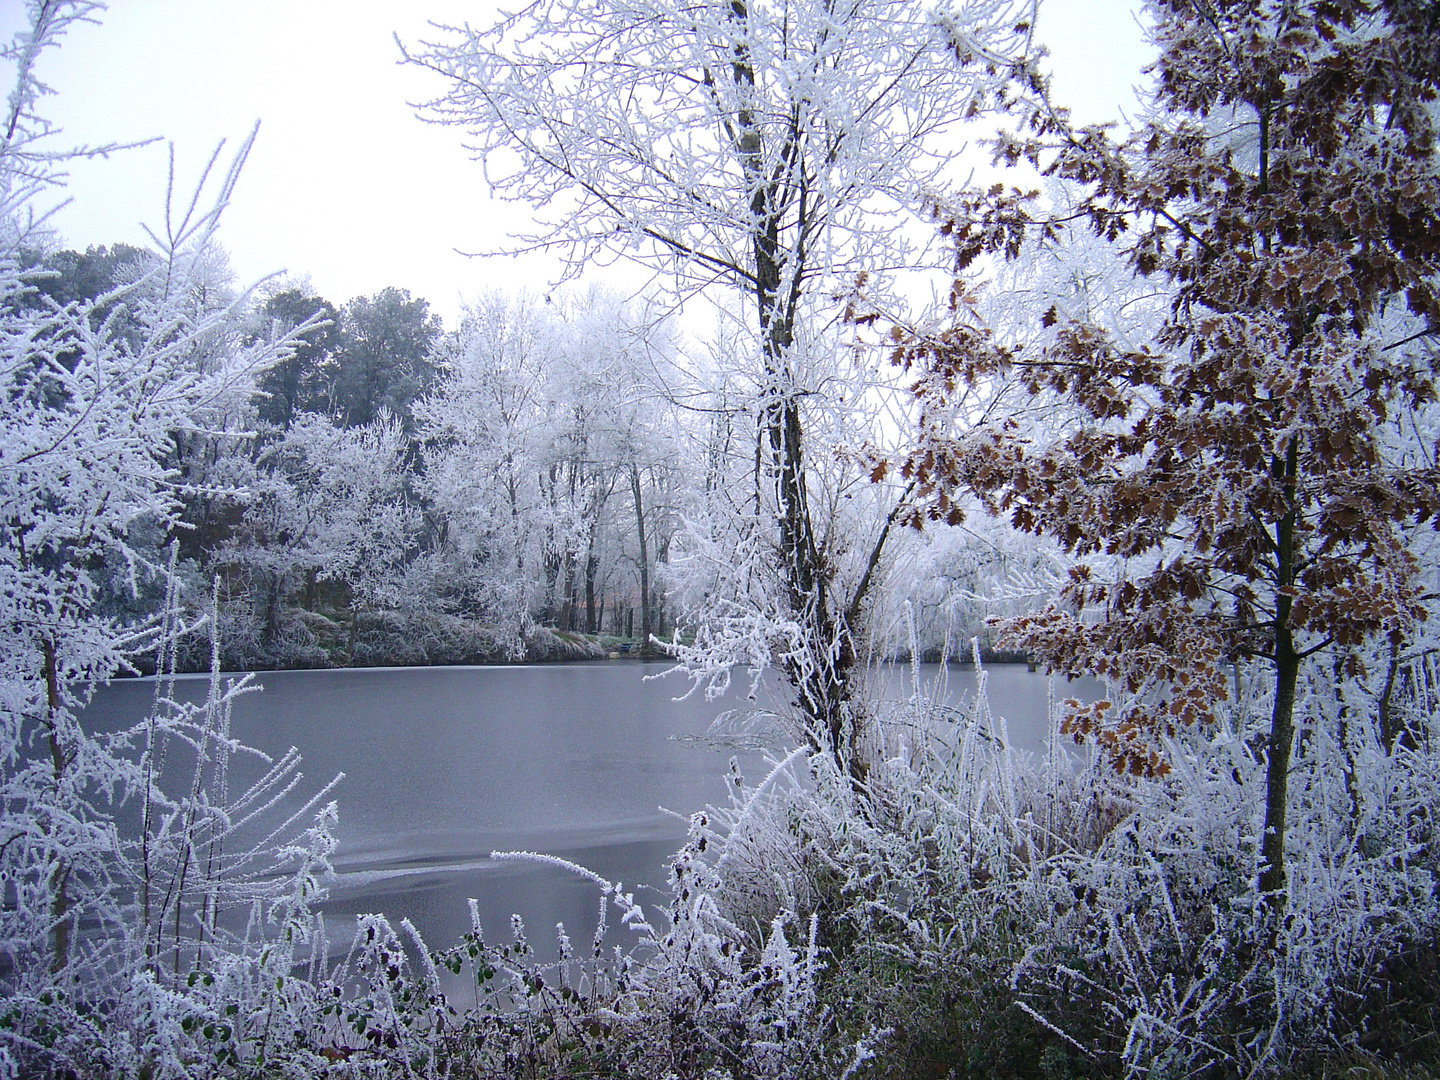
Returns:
point(1277, 767)
point(273, 584)
point(821, 672)
point(354, 629)
point(512, 489)
point(662, 555)
point(591, 563)
point(644, 560)
point(60, 873)
point(1392, 733)
point(1287, 673)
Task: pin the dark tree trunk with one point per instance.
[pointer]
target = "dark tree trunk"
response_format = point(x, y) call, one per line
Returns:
point(1392, 732)
point(1287, 673)
point(645, 628)
point(273, 584)
point(1277, 766)
point(354, 630)
point(821, 673)
point(592, 566)
point(60, 761)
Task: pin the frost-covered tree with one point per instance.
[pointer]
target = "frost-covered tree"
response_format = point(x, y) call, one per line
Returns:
point(620, 435)
point(322, 503)
point(480, 428)
point(91, 423)
point(769, 149)
point(1236, 486)
point(298, 383)
point(102, 387)
point(543, 419)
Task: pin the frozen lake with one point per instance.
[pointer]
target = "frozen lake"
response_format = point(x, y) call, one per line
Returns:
point(444, 765)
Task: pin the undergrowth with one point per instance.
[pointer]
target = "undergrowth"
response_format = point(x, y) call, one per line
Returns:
point(966, 911)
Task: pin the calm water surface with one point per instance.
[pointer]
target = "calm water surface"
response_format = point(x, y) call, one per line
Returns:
point(445, 765)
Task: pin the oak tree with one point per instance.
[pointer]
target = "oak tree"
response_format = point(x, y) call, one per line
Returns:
point(1225, 484)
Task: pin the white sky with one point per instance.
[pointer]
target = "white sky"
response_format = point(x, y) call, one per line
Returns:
point(345, 185)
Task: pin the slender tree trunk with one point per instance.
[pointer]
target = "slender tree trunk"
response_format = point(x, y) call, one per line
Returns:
point(512, 489)
point(1277, 767)
point(354, 630)
point(821, 673)
point(272, 608)
point(592, 567)
point(635, 496)
point(662, 555)
point(1391, 732)
point(1343, 737)
point(60, 914)
point(1282, 716)
point(60, 873)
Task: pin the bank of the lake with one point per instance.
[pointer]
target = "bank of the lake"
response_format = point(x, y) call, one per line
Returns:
point(339, 637)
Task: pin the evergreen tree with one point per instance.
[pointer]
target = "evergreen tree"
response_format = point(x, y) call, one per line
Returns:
point(385, 356)
point(297, 383)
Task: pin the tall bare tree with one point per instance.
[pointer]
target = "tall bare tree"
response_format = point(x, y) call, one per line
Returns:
point(769, 148)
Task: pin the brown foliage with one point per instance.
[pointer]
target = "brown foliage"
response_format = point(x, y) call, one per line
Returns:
point(1287, 196)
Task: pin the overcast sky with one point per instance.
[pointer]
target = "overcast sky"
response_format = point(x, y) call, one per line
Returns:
point(345, 185)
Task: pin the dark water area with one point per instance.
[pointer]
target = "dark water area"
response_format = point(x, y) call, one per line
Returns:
point(445, 765)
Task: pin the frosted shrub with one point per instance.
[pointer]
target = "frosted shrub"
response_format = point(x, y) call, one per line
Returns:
point(190, 904)
point(701, 997)
point(1129, 908)
point(155, 912)
point(985, 909)
point(1165, 950)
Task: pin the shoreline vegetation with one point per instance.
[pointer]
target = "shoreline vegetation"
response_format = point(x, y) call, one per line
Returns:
point(333, 640)
point(966, 914)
